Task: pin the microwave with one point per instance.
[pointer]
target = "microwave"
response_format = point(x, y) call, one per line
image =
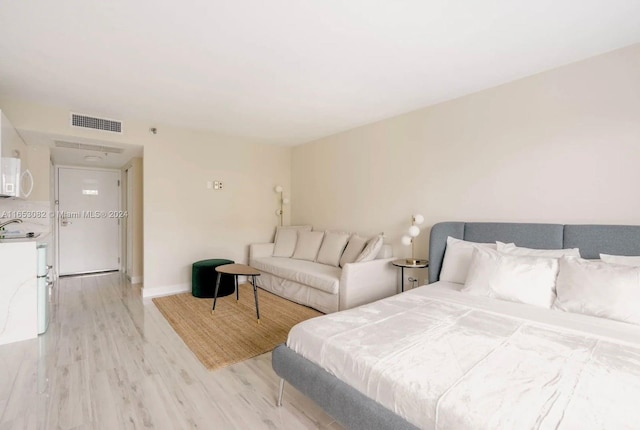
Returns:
point(13, 181)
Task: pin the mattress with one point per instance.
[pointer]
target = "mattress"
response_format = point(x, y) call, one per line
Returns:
point(442, 359)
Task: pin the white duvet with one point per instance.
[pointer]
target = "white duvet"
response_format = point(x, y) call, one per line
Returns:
point(442, 359)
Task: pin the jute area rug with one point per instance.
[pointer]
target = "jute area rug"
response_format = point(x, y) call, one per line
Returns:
point(232, 335)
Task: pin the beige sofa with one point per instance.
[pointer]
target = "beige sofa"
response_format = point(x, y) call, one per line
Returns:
point(324, 287)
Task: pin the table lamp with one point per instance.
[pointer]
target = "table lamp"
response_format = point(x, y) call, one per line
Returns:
point(409, 238)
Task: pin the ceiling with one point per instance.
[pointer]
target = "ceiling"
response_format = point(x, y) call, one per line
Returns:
point(63, 156)
point(289, 71)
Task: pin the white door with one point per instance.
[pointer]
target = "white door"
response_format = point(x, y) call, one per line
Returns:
point(88, 214)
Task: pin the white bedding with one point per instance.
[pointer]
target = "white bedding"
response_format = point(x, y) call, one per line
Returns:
point(443, 359)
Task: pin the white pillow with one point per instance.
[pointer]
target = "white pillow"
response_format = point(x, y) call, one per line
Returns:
point(599, 289)
point(286, 238)
point(332, 247)
point(285, 243)
point(512, 249)
point(621, 259)
point(374, 245)
point(457, 257)
point(521, 279)
point(308, 245)
point(353, 250)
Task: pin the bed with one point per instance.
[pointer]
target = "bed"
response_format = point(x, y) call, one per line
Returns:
point(436, 358)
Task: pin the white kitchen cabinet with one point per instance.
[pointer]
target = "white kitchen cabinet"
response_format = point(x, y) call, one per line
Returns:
point(18, 292)
point(12, 147)
point(11, 144)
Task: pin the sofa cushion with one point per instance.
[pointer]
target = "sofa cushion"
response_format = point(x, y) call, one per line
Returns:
point(321, 276)
point(308, 245)
point(332, 247)
point(286, 238)
point(374, 245)
point(285, 243)
point(354, 248)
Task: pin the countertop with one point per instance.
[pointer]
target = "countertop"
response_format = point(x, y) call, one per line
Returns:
point(42, 238)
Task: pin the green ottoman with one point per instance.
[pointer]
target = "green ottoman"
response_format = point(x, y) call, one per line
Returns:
point(203, 279)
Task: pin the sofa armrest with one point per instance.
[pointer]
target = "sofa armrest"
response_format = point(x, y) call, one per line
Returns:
point(257, 250)
point(366, 282)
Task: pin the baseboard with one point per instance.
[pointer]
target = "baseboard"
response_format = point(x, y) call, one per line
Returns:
point(135, 279)
point(166, 290)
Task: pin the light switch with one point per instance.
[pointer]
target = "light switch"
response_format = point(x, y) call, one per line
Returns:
point(209, 185)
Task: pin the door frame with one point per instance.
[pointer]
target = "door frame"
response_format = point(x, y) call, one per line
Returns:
point(56, 216)
point(125, 195)
point(128, 224)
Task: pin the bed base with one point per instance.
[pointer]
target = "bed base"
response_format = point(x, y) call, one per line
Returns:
point(348, 406)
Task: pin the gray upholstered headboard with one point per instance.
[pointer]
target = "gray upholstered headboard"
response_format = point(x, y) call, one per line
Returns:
point(590, 239)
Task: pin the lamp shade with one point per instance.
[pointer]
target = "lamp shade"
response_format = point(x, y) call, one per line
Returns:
point(406, 240)
point(414, 231)
point(418, 219)
point(285, 201)
point(278, 189)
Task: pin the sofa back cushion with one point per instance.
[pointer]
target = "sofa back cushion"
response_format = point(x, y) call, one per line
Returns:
point(286, 239)
point(332, 247)
point(354, 248)
point(308, 245)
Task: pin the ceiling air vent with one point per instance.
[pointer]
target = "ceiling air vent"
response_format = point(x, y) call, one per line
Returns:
point(85, 121)
point(87, 147)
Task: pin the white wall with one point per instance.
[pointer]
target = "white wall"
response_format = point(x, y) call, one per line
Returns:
point(184, 221)
point(36, 160)
point(39, 161)
point(562, 146)
point(136, 216)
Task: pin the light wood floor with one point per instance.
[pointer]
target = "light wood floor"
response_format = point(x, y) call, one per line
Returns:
point(110, 361)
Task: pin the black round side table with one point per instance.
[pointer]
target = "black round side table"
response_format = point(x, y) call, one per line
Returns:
point(409, 264)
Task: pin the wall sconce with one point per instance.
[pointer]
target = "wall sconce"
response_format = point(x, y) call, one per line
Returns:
point(410, 237)
point(283, 201)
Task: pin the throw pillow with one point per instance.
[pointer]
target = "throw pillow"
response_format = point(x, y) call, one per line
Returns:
point(623, 260)
point(599, 289)
point(457, 257)
point(521, 279)
point(370, 251)
point(512, 249)
point(308, 245)
point(332, 247)
point(353, 250)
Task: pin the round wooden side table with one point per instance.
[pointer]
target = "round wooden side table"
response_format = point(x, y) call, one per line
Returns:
point(237, 270)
